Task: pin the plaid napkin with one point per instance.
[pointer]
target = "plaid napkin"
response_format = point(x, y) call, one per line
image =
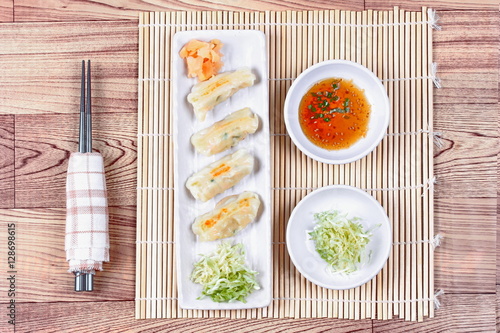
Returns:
point(87, 238)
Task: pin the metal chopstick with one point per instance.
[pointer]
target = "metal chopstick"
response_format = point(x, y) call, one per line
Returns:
point(81, 141)
point(88, 110)
point(85, 136)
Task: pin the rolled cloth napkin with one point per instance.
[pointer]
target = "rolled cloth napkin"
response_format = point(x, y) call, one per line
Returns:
point(87, 236)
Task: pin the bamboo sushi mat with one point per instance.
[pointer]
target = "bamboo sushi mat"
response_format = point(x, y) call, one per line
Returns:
point(397, 46)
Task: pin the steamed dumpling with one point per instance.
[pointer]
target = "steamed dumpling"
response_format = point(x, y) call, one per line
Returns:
point(220, 175)
point(229, 216)
point(206, 95)
point(226, 133)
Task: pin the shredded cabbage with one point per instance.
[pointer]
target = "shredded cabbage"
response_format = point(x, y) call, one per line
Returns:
point(340, 241)
point(224, 275)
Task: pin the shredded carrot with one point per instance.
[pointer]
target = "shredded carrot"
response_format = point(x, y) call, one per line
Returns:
point(221, 169)
point(203, 59)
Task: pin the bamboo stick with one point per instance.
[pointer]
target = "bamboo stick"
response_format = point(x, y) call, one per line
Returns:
point(369, 169)
point(414, 167)
point(270, 31)
point(374, 154)
point(296, 67)
point(420, 180)
point(161, 167)
point(299, 160)
point(272, 127)
point(145, 163)
point(170, 273)
point(314, 172)
point(425, 162)
point(140, 139)
point(331, 175)
point(284, 73)
point(385, 160)
point(390, 158)
point(354, 166)
point(280, 54)
point(180, 19)
point(401, 163)
point(290, 73)
point(154, 167)
point(163, 160)
point(395, 150)
point(362, 43)
point(430, 153)
point(338, 170)
point(150, 213)
point(167, 251)
point(324, 55)
point(407, 174)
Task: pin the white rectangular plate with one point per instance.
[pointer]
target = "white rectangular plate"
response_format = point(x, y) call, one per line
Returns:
point(242, 48)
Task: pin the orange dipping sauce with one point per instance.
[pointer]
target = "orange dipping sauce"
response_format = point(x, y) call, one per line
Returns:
point(334, 114)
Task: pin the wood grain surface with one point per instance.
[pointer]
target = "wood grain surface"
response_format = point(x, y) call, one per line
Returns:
point(43, 145)
point(41, 248)
point(441, 5)
point(465, 261)
point(40, 78)
point(59, 10)
point(7, 161)
point(41, 45)
point(6, 10)
point(77, 313)
point(458, 313)
point(466, 165)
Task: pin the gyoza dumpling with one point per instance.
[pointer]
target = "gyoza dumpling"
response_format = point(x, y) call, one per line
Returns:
point(226, 133)
point(220, 175)
point(206, 95)
point(229, 216)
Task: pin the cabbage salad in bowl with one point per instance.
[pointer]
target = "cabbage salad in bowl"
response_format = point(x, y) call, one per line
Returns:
point(341, 241)
point(339, 237)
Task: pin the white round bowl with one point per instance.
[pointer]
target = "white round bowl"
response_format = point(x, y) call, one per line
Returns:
point(354, 202)
point(361, 77)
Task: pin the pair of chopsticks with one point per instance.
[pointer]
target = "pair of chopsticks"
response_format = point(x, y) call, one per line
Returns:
point(84, 281)
point(85, 138)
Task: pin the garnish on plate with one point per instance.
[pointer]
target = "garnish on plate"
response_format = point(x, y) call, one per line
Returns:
point(224, 274)
point(340, 241)
point(203, 59)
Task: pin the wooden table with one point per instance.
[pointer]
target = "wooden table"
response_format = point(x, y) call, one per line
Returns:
point(41, 46)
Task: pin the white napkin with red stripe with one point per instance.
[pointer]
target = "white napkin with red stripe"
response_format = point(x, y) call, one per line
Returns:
point(87, 236)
